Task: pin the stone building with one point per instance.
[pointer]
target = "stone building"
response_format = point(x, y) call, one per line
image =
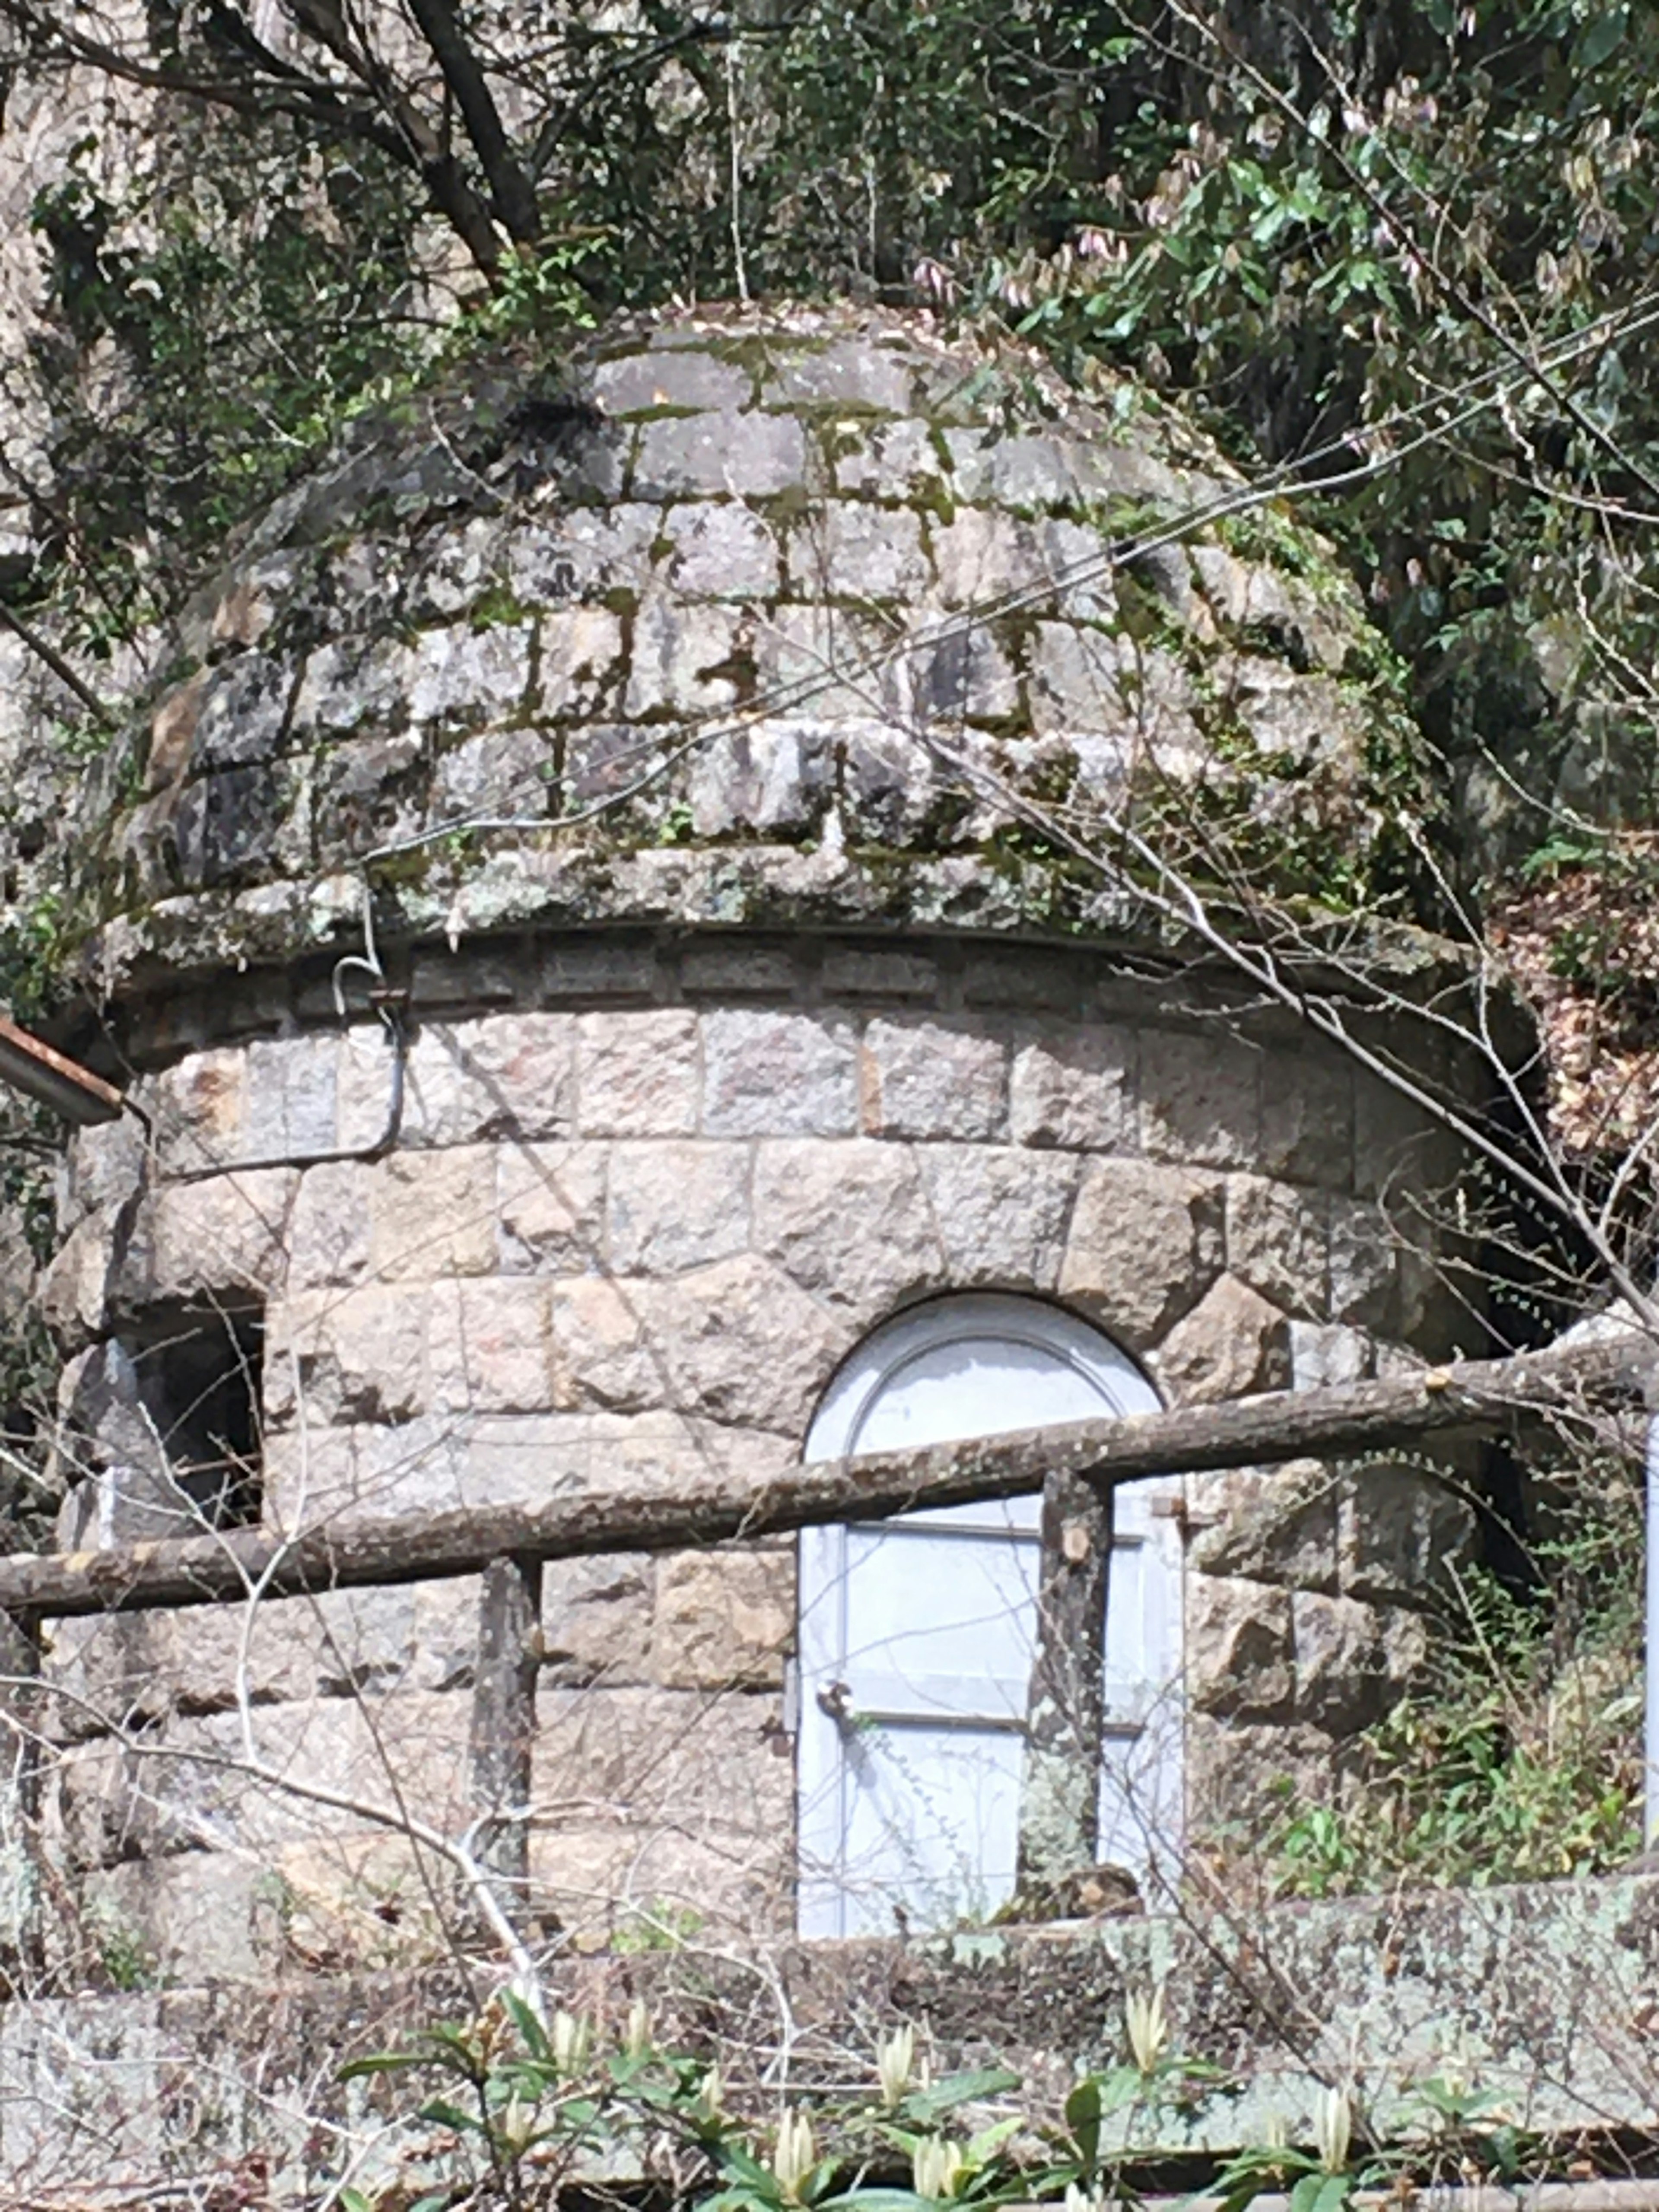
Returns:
point(621, 930)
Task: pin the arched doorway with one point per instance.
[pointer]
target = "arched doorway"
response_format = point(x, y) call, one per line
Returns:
point(916, 1635)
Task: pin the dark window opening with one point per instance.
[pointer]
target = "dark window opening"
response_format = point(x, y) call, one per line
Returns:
point(198, 1371)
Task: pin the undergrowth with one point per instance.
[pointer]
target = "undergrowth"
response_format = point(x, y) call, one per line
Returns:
point(1517, 1756)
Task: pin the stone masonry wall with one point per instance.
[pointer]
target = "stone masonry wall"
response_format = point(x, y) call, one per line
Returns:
point(648, 1194)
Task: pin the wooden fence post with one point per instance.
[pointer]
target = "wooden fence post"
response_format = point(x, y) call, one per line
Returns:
point(1060, 1796)
point(21, 1958)
point(503, 1731)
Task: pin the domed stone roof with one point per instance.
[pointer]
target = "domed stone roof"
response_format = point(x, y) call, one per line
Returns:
point(749, 616)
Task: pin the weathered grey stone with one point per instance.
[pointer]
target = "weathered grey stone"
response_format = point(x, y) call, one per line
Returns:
point(1145, 1244)
point(432, 1214)
point(1231, 1343)
point(1323, 1356)
point(1399, 1529)
point(1307, 1120)
point(779, 1074)
point(740, 967)
point(195, 1108)
point(721, 551)
point(850, 1222)
point(488, 1348)
point(580, 660)
point(500, 772)
point(1001, 1214)
point(352, 681)
point(600, 967)
point(981, 556)
point(1278, 1241)
point(723, 1620)
point(754, 456)
point(653, 1750)
point(1240, 1648)
point(934, 1079)
point(230, 823)
point(1201, 1097)
point(506, 1075)
point(356, 1355)
point(969, 675)
point(684, 657)
point(601, 1354)
point(550, 1206)
point(592, 550)
point(832, 663)
point(596, 1621)
point(638, 1074)
point(1076, 680)
point(885, 459)
point(646, 383)
point(1364, 1266)
point(740, 1343)
point(73, 1286)
point(1245, 1777)
point(464, 677)
point(289, 1097)
point(1074, 1088)
point(891, 788)
point(226, 1236)
point(1278, 1525)
point(241, 712)
point(371, 790)
point(1342, 1680)
point(677, 1205)
point(848, 550)
point(772, 776)
point(105, 1163)
point(854, 374)
point(328, 1239)
point(857, 971)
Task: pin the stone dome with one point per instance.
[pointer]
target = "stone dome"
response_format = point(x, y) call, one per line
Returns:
point(758, 617)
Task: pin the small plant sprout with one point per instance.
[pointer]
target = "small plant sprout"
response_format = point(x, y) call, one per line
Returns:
point(894, 2056)
point(568, 2039)
point(1079, 2199)
point(1275, 2131)
point(1333, 2130)
point(711, 2097)
point(936, 2166)
point(795, 2155)
point(1147, 2029)
point(636, 2035)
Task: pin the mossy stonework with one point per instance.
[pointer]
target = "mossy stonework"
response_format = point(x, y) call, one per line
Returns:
point(681, 732)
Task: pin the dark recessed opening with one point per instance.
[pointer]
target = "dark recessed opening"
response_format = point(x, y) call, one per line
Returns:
point(198, 1371)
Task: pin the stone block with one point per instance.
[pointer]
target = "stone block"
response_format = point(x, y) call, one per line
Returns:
point(328, 1245)
point(1399, 1531)
point(649, 383)
point(723, 1620)
point(1308, 1120)
point(1145, 1245)
point(241, 712)
point(1201, 1097)
point(638, 1074)
point(1342, 1678)
point(582, 550)
point(1242, 1779)
point(1077, 679)
point(1364, 1266)
point(432, 1214)
point(653, 1886)
point(720, 552)
point(580, 661)
point(683, 660)
point(501, 1075)
point(600, 967)
point(893, 792)
point(202, 1918)
point(73, 1291)
point(355, 1355)
point(1278, 1243)
point(848, 550)
point(934, 1079)
point(497, 773)
point(596, 1621)
point(1002, 1214)
point(370, 791)
point(682, 1757)
point(677, 1205)
point(739, 967)
point(488, 1348)
point(289, 1097)
point(856, 375)
point(1269, 1525)
point(1231, 1343)
point(601, 1353)
point(195, 1108)
point(224, 1237)
point(770, 776)
point(740, 1343)
point(982, 554)
point(751, 456)
point(1240, 1648)
point(849, 1222)
point(832, 664)
point(106, 1167)
point(1324, 1357)
point(1073, 1090)
point(464, 678)
point(550, 1206)
point(777, 1074)
point(969, 675)
point(885, 460)
point(1023, 980)
point(879, 972)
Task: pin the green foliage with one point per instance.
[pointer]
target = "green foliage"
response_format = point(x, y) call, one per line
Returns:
point(1517, 1755)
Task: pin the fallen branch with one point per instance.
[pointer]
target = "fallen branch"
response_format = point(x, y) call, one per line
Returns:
point(1360, 1417)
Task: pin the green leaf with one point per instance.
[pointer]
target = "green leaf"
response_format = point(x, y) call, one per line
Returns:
point(532, 2033)
point(929, 2104)
point(1601, 36)
point(1321, 2192)
point(1083, 2118)
point(446, 2114)
point(383, 2062)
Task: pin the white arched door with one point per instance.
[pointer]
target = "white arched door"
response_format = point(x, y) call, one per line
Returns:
point(916, 1635)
